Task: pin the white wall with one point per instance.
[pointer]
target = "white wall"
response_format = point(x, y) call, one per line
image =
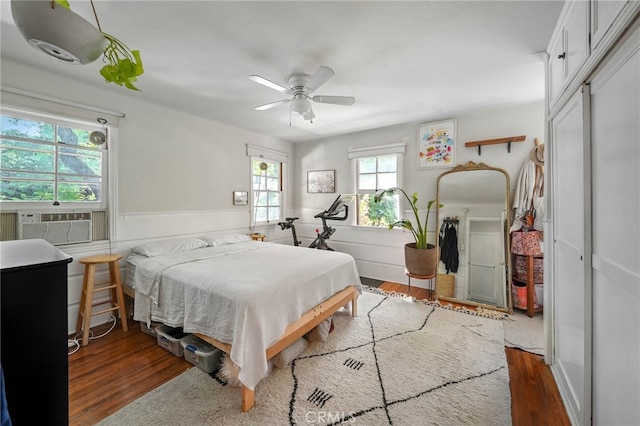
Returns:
point(175, 173)
point(379, 252)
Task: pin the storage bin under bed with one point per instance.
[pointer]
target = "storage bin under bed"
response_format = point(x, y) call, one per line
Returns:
point(170, 337)
point(200, 353)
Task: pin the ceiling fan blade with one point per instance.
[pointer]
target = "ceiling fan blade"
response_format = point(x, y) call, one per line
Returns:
point(336, 100)
point(272, 104)
point(268, 83)
point(319, 78)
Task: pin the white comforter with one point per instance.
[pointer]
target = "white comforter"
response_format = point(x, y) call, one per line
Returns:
point(245, 294)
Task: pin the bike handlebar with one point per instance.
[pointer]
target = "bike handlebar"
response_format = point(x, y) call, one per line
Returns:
point(333, 216)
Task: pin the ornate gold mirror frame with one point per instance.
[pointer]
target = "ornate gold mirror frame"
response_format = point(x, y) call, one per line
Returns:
point(477, 196)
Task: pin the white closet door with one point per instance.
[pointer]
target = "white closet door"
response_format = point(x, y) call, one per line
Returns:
point(615, 128)
point(571, 296)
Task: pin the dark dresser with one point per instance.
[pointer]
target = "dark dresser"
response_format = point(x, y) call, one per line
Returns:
point(33, 331)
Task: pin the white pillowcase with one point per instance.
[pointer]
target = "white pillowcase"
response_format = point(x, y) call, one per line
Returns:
point(221, 240)
point(157, 248)
point(290, 353)
point(320, 332)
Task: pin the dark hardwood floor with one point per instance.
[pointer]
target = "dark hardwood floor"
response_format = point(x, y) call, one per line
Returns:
point(114, 370)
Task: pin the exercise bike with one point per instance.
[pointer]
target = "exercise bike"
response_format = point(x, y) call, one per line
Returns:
point(320, 243)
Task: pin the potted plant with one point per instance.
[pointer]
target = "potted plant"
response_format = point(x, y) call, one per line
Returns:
point(53, 28)
point(421, 258)
point(123, 65)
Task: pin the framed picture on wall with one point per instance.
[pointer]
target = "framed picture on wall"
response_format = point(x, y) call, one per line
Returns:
point(241, 198)
point(321, 181)
point(437, 144)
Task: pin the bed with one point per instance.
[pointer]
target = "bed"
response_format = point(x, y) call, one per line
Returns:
point(249, 298)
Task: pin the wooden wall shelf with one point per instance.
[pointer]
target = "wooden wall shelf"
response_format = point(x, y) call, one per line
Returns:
point(507, 140)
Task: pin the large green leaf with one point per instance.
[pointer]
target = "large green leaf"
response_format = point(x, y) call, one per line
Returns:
point(419, 233)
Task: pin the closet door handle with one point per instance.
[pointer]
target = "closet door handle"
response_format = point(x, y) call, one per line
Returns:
point(562, 55)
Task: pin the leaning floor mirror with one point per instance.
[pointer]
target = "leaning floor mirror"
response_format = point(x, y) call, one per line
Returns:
point(473, 225)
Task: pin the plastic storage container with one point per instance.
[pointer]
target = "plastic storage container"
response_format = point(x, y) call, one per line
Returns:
point(200, 353)
point(169, 338)
point(151, 331)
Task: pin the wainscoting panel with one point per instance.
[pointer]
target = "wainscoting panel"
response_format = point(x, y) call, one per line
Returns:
point(136, 226)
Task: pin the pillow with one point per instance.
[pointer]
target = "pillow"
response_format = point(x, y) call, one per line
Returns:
point(290, 353)
point(221, 240)
point(321, 331)
point(157, 248)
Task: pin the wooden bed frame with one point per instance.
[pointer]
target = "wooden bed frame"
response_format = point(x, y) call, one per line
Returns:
point(295, 330)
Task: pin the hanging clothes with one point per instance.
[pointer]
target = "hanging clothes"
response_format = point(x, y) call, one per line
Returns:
point(449, 247)
point(523, 197)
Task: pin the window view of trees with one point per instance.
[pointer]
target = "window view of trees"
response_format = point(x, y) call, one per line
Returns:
point(43, 161)
point(383, 213)
point(267, 190)
point(374, 173)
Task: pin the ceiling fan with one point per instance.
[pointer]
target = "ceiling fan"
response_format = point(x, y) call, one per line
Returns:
point(301, 86)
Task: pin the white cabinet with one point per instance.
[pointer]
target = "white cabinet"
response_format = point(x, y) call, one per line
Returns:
point(603, 15)
point(571, 295)
point(576, 37)
point(595, 184)
point(615, 155)
point(556, 67)
point(586, 31)
point(569, 47)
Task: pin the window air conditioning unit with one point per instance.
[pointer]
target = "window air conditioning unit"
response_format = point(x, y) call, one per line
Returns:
point(56, 227)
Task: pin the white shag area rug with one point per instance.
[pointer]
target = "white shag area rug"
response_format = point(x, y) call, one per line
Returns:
point(399, 362)
point(524, 333)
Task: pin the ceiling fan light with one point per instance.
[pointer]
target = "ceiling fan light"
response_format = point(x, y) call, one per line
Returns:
point(300, 105)
point(58, 31)
point(308, 115)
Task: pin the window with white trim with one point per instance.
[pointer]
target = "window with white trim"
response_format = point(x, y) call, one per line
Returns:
point(50, 160)
point(372, 175)
point(377, 168)
point(266, 178)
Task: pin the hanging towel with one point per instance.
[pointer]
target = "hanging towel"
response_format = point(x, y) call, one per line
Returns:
point(523, 197)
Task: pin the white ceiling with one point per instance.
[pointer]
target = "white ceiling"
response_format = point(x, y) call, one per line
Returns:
point(402, 61)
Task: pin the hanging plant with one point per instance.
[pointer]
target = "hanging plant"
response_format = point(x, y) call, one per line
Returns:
point(123, 65)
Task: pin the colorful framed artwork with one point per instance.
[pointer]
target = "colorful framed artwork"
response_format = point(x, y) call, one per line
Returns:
point(241, 198)
point(437, 144)
point(321, 181)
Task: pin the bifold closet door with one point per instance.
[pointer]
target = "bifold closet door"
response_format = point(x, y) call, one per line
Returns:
point(570, 279)
point(615, 171)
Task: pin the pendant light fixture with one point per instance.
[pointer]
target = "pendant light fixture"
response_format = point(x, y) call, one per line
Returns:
point(57, 31)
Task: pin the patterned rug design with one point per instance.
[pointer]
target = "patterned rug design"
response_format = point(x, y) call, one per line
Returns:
point(399, 362)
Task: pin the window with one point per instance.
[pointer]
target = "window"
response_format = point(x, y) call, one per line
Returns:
point(373, 174)
point(267, 190)
point(45, 160)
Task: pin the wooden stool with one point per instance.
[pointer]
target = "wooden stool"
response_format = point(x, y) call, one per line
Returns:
point(89, 287)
